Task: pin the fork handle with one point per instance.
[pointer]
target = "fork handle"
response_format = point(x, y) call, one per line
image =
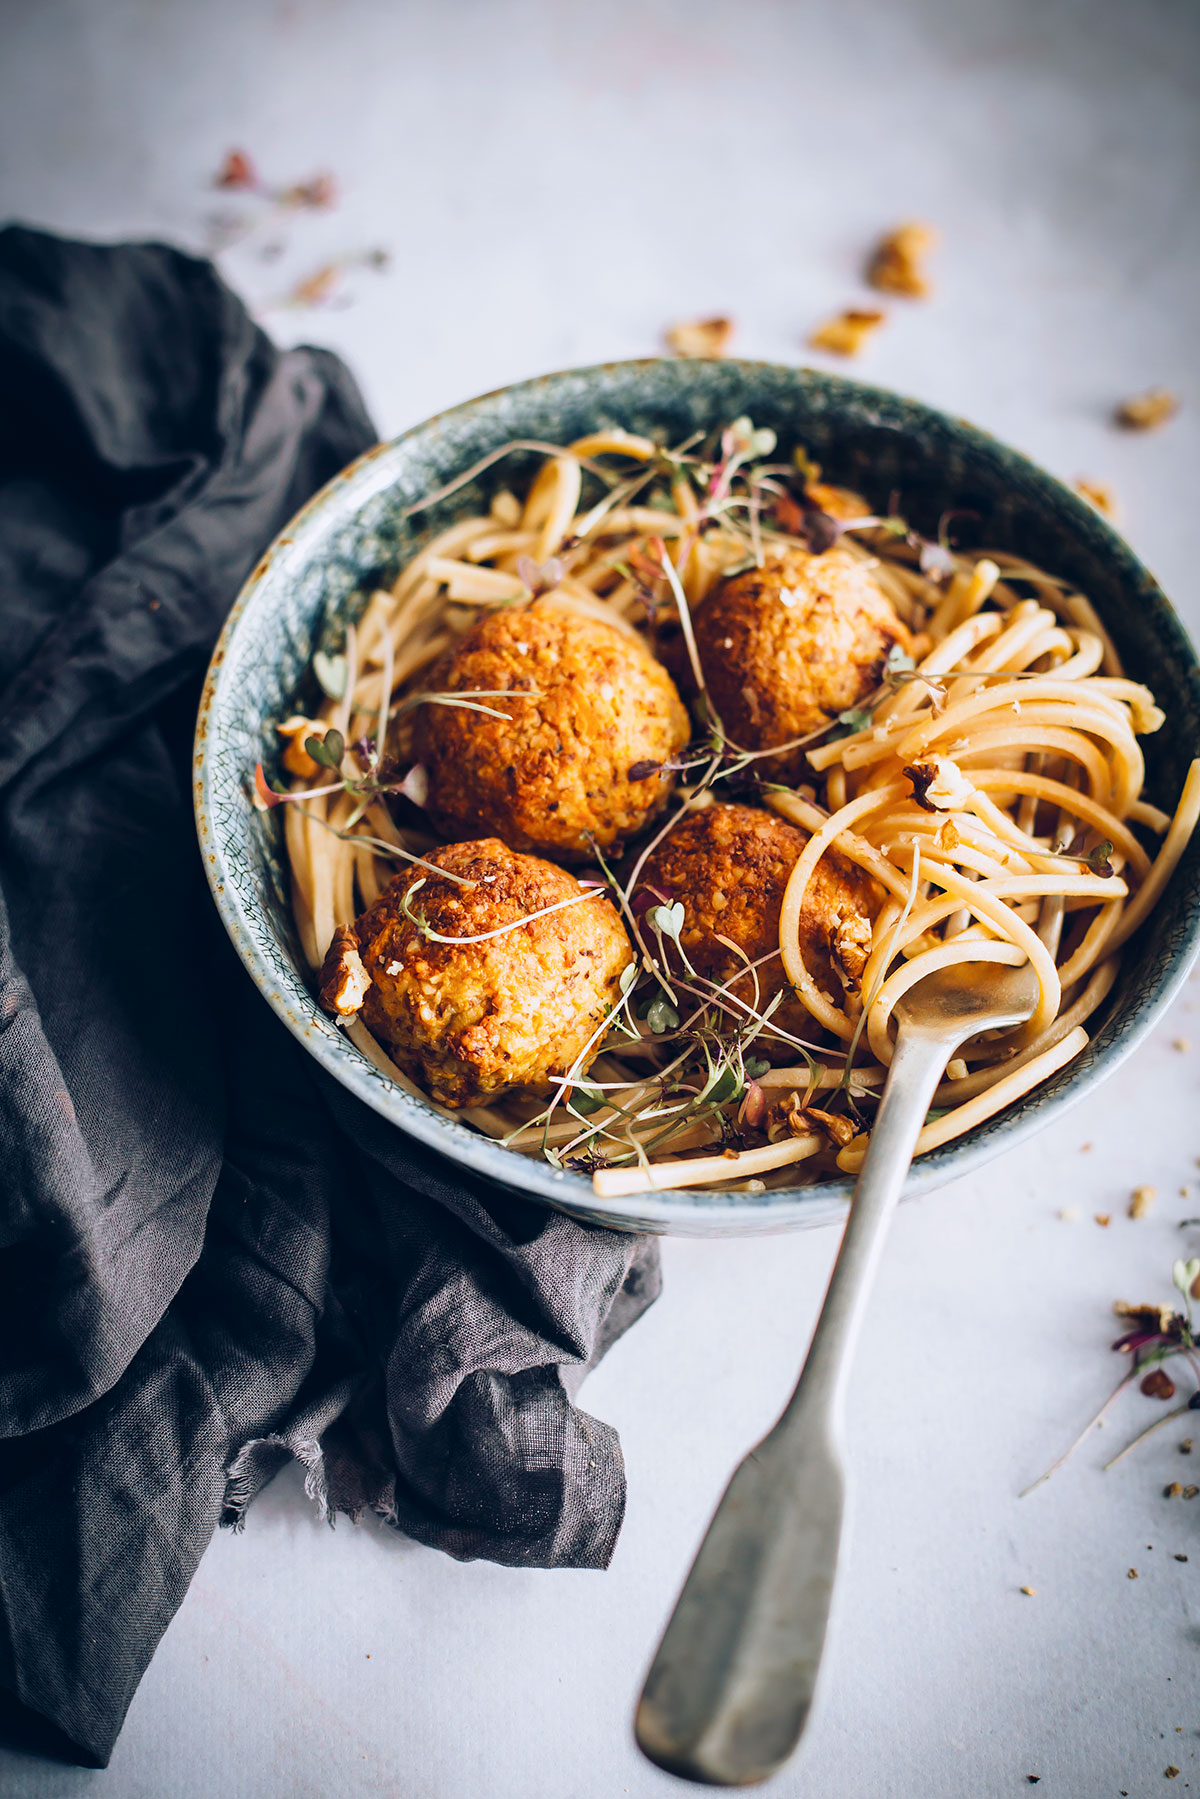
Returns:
point(730, 1687)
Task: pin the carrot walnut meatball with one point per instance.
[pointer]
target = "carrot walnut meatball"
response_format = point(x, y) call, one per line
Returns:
point(471, 1019)
point(578, 760)
point(728, 866)
point(787, 647)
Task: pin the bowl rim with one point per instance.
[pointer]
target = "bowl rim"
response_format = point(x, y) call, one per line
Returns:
point(684, 1211)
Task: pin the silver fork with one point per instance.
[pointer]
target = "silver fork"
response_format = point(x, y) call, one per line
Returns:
point(730, 1687)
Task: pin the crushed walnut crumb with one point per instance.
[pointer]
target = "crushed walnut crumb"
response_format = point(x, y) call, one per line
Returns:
point(701, 337)
point(1100, 495)
point(1103, 1219)
point(1141, 1202)
point(1146, 412)
point(1029, 1592)
point(1174, 1490)
point(895, 264)
point(847, 332)
point(344, 980)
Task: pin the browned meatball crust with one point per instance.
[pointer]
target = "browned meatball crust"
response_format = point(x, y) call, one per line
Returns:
point(728, 866)
point(787, 647)
point(563, 768)
point(470, 1020)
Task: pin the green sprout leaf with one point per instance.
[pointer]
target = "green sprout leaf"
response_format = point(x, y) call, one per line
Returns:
point(331, 672)
point(1185, 1274)
point(629, 975)
point(661, 1016)
point(1098, 859)
point(726, 1086)
point(855, 718)
point(586, 1100)
point(667, 919)
point(756, 1067)
point(327, 750)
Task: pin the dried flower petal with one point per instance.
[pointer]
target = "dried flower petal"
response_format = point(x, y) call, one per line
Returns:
point(236, 173)
point(847, 332)
point(1146, 412)
point(701, 337)
point(895, 263)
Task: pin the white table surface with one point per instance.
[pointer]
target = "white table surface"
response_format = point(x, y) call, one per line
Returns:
point(559, 182)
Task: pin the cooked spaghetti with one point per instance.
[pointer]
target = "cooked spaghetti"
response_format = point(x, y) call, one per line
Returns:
point(992, 761)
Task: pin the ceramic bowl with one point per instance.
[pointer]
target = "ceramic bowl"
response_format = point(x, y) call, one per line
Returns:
point(352, 536)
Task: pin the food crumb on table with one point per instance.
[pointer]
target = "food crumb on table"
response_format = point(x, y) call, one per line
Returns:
point(847, 332)
point(1141, 1202)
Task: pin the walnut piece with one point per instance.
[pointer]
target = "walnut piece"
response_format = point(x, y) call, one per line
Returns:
point(344, 980)
point(847, 332)
point(296, 758)
point(895, 263)
point(701, 337)
point(1146, 412)
point(1100, 495)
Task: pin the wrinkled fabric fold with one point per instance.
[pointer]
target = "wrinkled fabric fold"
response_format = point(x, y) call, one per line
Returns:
point(212, 1258)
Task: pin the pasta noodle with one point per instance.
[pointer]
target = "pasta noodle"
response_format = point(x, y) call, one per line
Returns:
point(1015, 716)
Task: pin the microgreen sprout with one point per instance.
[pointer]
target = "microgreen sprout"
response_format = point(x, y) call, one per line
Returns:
point(331, 672)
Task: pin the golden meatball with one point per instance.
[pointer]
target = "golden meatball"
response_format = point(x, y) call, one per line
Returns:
point(787, 647)
point(470, 1020)
point(728, 866)
point(579, 760)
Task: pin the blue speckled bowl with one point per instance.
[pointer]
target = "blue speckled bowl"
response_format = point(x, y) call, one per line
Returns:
point(351, 536)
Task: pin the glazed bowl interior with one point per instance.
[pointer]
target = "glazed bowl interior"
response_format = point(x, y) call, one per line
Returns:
point(353, 537)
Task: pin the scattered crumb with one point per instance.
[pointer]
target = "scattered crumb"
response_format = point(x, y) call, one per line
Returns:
point(701, 337)
point(847, 332)
point(894, 266)
point(1029, 1592)
point(1132, 1574)
point(1183, 1193)
point(1170, 1773)
point(956, 1069)
point(1185, 1448)
point(1181, 1558)
point(1069, 1214)
point(1190, 1492)
point(1084, 1147)
point(1098, 494)
point(1104, 1219)
point(1183, 1044)
point(1146, 412)
point(1142, 1202)
point(1174, 1491)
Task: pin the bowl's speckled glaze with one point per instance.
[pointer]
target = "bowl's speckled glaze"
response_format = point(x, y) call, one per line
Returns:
point(352, 536)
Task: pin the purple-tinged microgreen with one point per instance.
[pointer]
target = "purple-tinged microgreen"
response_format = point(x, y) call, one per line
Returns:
point(415, 786)
point(539, 577)
point(1158, 1334)
point(936, 561)
point(1096, 860)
